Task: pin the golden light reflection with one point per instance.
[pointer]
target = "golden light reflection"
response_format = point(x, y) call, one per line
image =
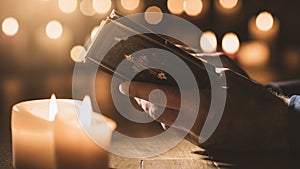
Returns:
point(193, 7)
point(230, 43)
point(78, 53)
point(264, 21)
point(228, 4)
point(153, 15)
point(10, 26)
point(94, 32)
point(102, 6)
point(130, 4)
point(54, 29)
point(208, 42)
point(86, 8)
point(67, 6)
point(256, 53)
point(175, 6)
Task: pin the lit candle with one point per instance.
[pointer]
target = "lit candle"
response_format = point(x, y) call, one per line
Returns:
point(32, 134)
point(82, 137)
point(48, 134)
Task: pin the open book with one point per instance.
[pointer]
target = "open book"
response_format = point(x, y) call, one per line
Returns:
point(120, 39)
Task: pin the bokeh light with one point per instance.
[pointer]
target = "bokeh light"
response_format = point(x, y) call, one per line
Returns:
point(264, 21)
point(10, 26)
point(175, 6)
point(77, 53)
point(291, 58)
point(193, 7)
point(102, 6)
point(255, 53)
point(228, 4)
point(258, 34)
point(67, 6)
point(208, 42)
point(153, 15)
point(54, 29)
point(130, 4)
point(86, 8)
point(230, 43)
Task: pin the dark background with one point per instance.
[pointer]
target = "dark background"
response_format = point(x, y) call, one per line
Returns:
point(34, 67)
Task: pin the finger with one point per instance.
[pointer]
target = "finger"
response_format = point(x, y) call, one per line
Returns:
point(164, 96)
point(158, 113)
point(164, 126)
point(135, 104)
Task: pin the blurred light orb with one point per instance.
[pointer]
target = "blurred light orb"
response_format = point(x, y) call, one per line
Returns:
point(10, 26)
point(208, 42)
point(102, 6)
point(228, 4)
point(78, 53)
point(86, 8)
point(175, 6)
point(153, 15)
point(130, 4)
point(264, 21)
point(94, 32)
point(254, 53)
point(54, 29)
point(193, 7)
point(67, 6)
point(230, 43)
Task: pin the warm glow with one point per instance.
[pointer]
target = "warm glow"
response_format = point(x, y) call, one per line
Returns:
point(78, 53)
point(102, 6)
point(96, 29)
point(54, 29)
point(67, 6)
point(254, 54)
point(10, 26)
point(208, 42)
point(175, 6)
point(264, 21)
point(153, 15)
point(94, 32)
point(292, 58)
point(193, 7)
point(85, 114)
point(130, 4)
point(86, 8)
point(230, 43)
point(228, 4)
point(52, 108)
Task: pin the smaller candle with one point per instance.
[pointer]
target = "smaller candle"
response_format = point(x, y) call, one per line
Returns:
point(32, 134)
point(82, 137)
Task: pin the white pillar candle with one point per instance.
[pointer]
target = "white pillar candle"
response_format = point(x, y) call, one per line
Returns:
point(82, 137)
point(32, 134)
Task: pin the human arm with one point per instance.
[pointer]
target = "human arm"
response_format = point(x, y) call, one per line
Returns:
point(253, 119)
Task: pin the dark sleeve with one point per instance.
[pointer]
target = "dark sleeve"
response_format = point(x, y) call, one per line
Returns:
point(286, 88)
point(294, 124)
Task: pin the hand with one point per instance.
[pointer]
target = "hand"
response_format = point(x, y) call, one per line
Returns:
point(253, 117)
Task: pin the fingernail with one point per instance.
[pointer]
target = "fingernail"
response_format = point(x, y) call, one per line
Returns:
point(124, 88)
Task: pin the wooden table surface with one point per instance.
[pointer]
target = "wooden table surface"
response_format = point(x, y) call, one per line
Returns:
point(184, 156)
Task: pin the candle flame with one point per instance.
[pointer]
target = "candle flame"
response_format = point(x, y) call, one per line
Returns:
point(85, 114)
point(52, 108)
